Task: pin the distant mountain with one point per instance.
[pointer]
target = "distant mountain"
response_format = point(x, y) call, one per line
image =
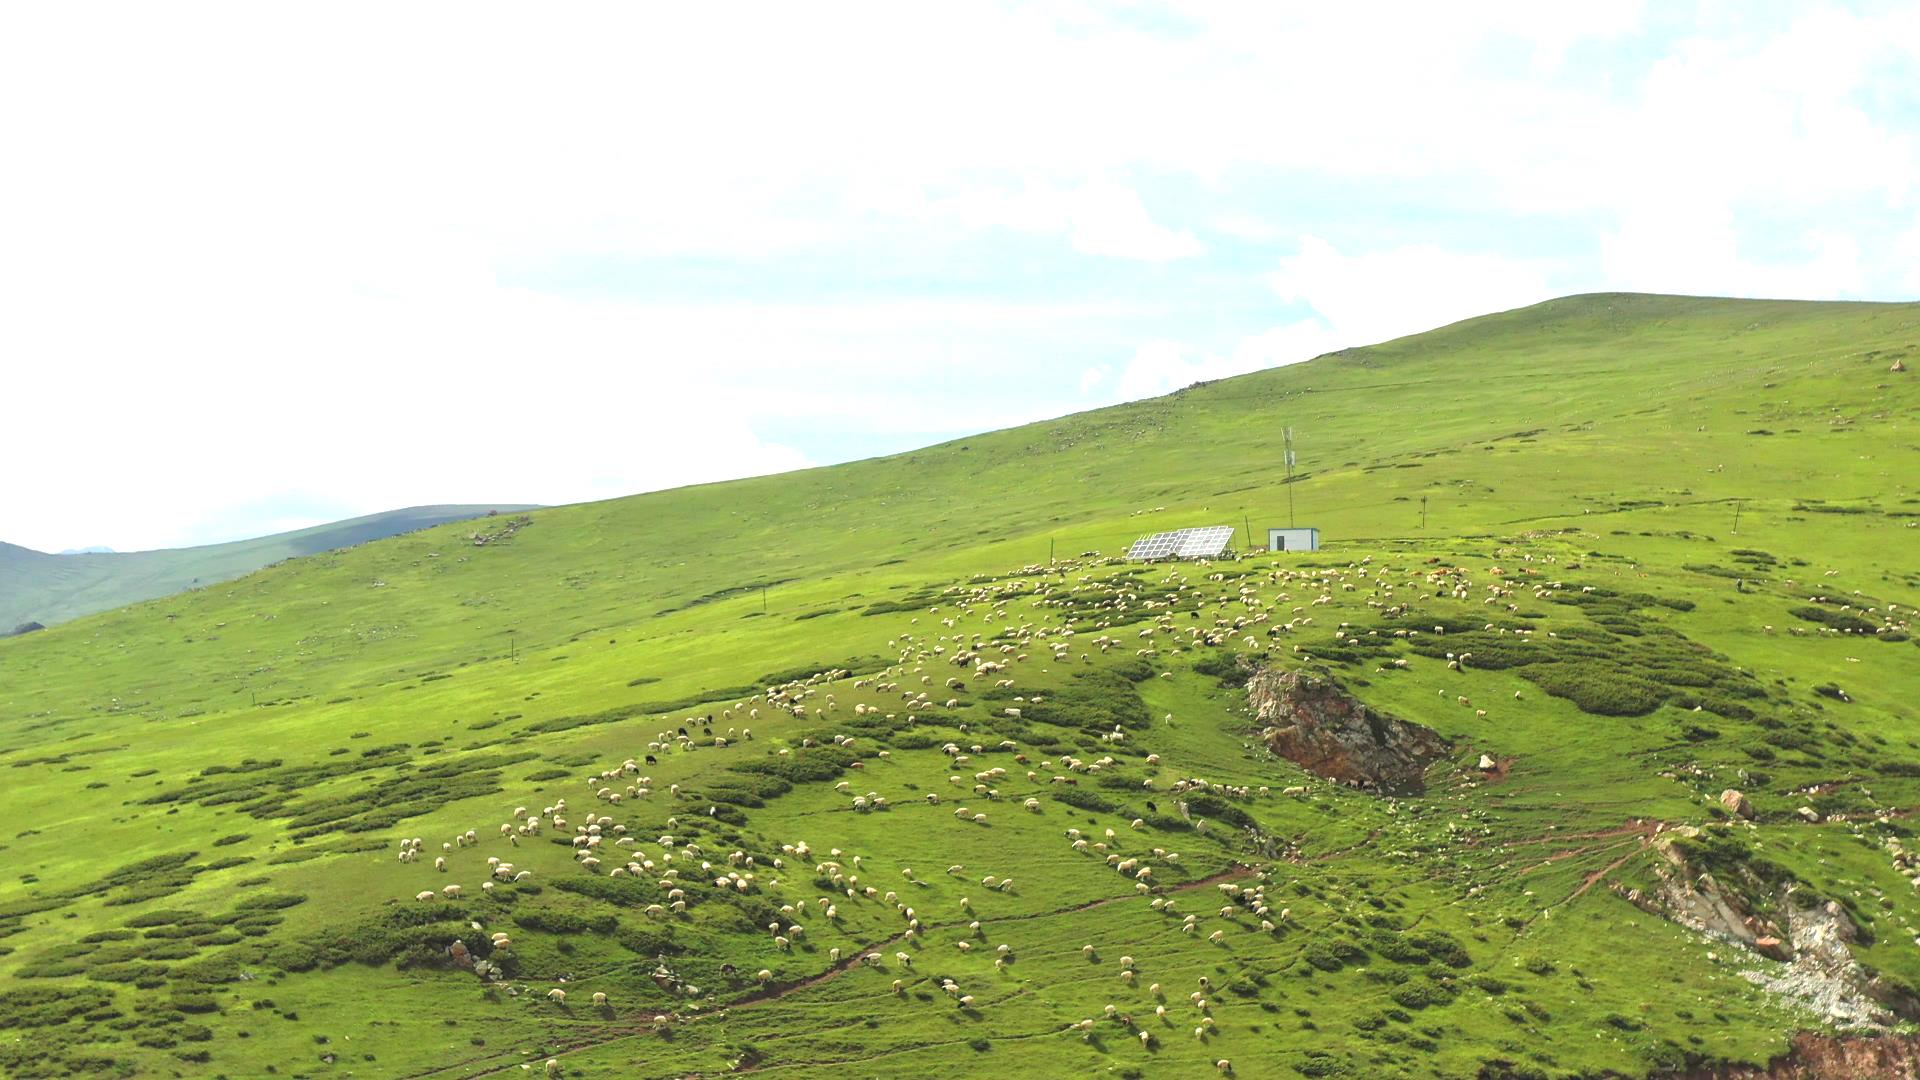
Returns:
point(37, 588)
point(87, 551)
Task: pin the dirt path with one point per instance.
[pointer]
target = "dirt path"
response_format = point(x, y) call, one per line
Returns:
point(776, 992)
point(1599, 875)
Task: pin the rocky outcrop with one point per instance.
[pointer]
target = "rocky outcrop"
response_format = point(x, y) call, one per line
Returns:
point(1828, 1057)
point(1309, 720)
point(1806, 941)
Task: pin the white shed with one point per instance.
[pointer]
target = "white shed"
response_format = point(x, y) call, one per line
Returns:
point(1293, 539)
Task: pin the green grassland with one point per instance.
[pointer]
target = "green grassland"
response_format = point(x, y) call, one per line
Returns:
point(207, 792)
point(47, 589)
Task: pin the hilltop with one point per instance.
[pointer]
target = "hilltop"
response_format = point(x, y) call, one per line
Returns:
point(892, 768)
point(37, 587)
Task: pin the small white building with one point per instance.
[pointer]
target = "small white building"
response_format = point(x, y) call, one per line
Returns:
point(1293, 539)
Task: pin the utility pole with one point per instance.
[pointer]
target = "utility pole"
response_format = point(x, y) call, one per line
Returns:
point(763, 599)
point(1736, 516)
point(1287, 435)
point(1249, 524)
point(1423, 512)
point(513, 645)
point(1049, 551)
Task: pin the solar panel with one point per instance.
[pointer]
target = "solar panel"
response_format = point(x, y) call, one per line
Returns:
point(1200, 543)
point(1157, 546)
point(1203, 543)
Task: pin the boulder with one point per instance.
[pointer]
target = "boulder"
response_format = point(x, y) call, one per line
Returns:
point(1736, 804)
point(1487, 764)
point(1772, 948)
point(1809, 814)
point(1310, 720)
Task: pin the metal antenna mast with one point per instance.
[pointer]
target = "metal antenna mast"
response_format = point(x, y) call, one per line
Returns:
point(1288, 435)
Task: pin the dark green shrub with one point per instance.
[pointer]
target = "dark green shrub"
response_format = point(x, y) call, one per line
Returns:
point(1597, 688)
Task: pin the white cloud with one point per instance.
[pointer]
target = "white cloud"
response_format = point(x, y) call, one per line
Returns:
point(1098, 217)
point(1093, 377)
point(1907, 250)
point(1363, 299)
point(1110, 220)
point(1355, 300)
point(1694, 251)
point(1160, 367)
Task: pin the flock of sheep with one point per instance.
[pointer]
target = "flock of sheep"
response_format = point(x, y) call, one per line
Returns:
point(679, 865)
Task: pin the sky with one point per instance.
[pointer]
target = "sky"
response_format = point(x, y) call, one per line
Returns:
point(267, 265)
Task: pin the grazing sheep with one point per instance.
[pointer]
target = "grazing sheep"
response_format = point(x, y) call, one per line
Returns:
point(599, 998)
point(557, 996)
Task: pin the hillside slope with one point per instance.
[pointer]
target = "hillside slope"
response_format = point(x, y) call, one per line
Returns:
point(836, 773)
point(48, 589)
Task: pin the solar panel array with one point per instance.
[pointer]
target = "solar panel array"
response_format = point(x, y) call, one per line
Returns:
point(1200, 543)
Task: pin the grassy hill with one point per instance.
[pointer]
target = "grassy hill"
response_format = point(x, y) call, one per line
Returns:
point(37, 587)
point(776, 701)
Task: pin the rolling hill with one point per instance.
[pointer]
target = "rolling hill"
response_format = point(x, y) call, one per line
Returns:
point(48, 589)
point(1586, 746)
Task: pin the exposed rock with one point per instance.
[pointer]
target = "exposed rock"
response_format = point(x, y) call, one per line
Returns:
point(1827, 1057)
point(1309, 720)
point(1487, 764)
point(1813, 967)
point(1809, 815)
point(1736, 804)
point(23, 628)
point(1898, 365)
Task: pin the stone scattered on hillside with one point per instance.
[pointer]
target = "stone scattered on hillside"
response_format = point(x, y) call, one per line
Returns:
point(1736, 804)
